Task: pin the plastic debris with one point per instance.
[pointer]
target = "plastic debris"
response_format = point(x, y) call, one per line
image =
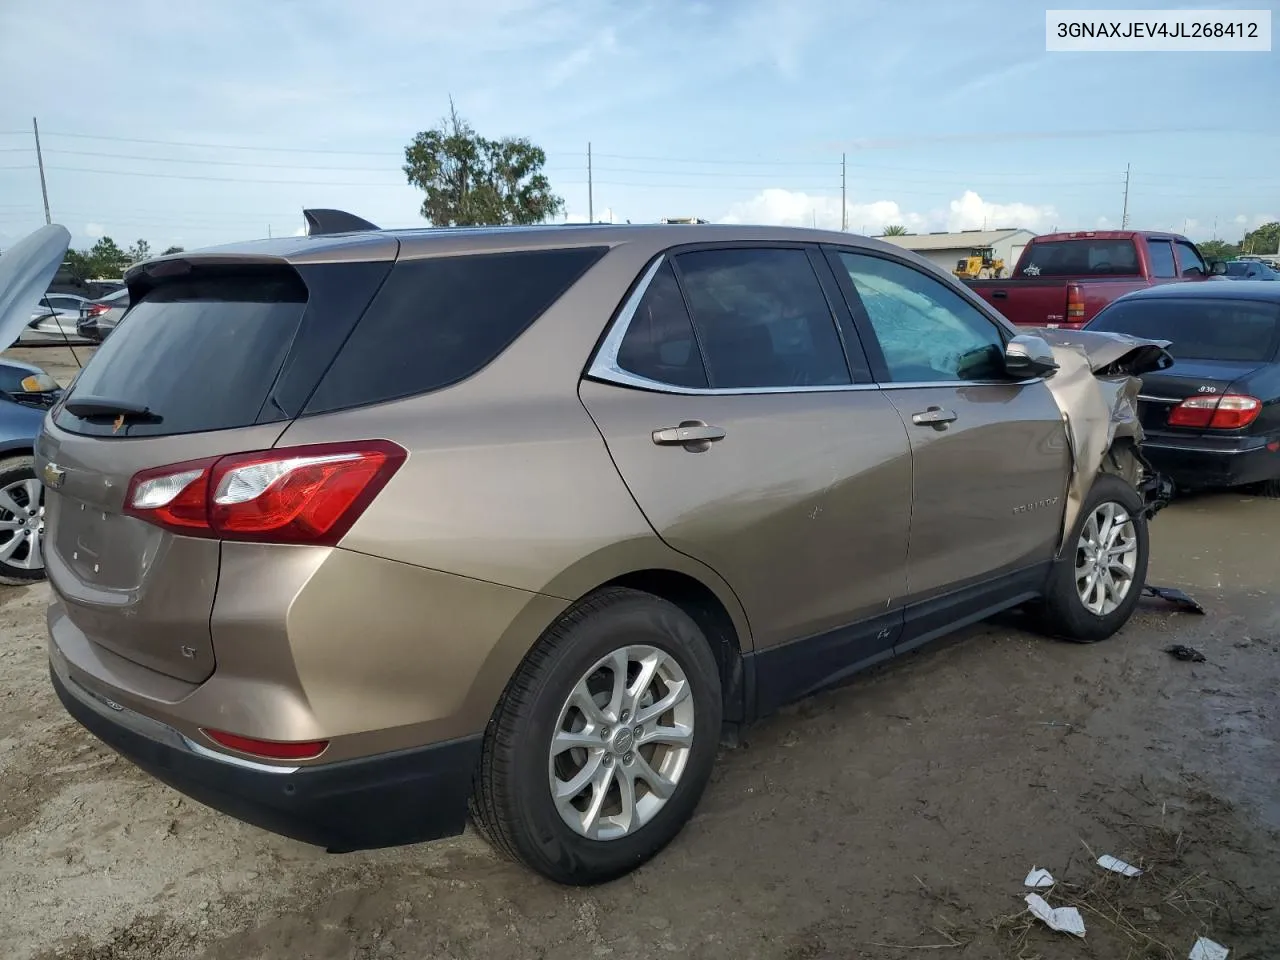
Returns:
point(1174, 596)
point(1206, 949)
point(1038, 878)
point(1062, 919)
point(1108, 862)
point(1185, 653)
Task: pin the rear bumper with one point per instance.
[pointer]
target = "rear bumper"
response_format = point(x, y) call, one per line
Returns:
point(1190, 465)
point(404, 797)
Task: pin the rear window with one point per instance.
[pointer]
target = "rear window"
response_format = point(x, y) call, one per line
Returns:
point(438, 321)
point(1080, 258)
point(1199, 329)
point(200, 354)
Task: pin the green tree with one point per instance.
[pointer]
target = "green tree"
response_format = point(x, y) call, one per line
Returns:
point(471, 180)
point(169, 250)
point(895, 230)
point(139, 251)
point(106, 259)
point(1218, 250)
point(1266, 239)
point(78, 264)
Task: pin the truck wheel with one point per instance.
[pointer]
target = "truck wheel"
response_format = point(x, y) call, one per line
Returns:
point(603, 741)
point(1094, 588)
point(1269, 489)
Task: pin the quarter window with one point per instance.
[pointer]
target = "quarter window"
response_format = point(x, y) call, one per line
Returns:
point(926, 332)
point(762, 319)
point(659, 343)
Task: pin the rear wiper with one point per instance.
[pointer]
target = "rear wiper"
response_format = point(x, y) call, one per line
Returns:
point(104, 408)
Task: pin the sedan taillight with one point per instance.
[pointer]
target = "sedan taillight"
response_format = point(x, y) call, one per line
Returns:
point(309, 495)
point(1229, 411)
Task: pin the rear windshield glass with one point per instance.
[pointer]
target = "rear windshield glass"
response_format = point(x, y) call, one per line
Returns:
point(1080, 258)
point(1199, 329)
point(440, 320)
point(199, 354)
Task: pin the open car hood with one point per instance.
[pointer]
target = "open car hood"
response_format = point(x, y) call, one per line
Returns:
point(26, 270)
point(1096, 388)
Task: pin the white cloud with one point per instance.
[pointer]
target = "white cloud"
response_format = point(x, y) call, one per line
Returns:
point(969, 211)
point(602, 44)
point(94, 230)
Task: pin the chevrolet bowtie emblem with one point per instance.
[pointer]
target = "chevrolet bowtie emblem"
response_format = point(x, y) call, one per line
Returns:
point(53, 475)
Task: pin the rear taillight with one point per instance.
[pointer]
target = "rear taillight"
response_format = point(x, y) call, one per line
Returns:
point(1226, 412)
point(268, 749)
point(96, 310)
point(1075, 303)
point(310, 494)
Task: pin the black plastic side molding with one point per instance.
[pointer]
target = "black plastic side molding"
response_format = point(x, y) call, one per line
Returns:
point(320, 221)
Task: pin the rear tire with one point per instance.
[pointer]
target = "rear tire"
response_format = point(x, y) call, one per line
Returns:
point(568, 692)
point(1096, 585)
point(1269, 489)
point(21, 523)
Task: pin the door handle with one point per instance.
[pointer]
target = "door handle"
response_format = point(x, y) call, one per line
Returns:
point(691, 434)
point(999, 294)
point(934, 417)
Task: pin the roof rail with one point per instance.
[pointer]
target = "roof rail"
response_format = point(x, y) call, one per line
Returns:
point(321, 221)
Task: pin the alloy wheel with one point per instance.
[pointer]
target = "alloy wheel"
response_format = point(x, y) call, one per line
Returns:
point(621, 742)
point(1106, 559)
point(22, 525)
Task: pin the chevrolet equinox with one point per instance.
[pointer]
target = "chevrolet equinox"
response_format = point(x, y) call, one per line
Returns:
point(354, 534)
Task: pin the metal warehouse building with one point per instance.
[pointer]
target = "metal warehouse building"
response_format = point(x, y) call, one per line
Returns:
point(945, 249)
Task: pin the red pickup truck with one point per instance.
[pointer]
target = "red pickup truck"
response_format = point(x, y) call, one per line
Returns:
point(1063, 279)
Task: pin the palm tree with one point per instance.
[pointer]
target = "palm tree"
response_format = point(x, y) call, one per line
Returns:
point(895, 230)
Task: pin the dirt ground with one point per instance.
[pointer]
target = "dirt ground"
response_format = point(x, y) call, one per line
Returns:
point(895, 817)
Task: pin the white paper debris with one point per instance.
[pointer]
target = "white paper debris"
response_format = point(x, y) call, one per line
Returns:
point(1108, 862)
point(1208, 950)
point(1062, 919)
point(1038, 878)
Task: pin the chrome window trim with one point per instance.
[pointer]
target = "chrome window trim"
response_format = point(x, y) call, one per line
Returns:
point(605, 366)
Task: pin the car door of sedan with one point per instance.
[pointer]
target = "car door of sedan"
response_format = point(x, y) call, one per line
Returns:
point(990, 459)
point(726, 399)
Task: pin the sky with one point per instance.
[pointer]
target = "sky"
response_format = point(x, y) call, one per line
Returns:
point(199, 123)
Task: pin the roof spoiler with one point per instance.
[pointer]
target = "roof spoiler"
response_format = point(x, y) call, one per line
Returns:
point(334, 221)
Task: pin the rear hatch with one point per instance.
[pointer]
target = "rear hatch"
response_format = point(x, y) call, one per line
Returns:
point(1217, 345)
point(216, 356)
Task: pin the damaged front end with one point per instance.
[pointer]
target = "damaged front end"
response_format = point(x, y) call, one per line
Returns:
point(1096, 387)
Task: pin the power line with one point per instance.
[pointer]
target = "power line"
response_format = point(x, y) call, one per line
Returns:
point(221, 146)
point(179, 176)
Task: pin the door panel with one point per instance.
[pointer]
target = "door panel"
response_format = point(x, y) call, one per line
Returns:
point(987, 487)
point(802, 506)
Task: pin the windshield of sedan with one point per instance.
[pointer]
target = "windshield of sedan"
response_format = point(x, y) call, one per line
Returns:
point(1199, 328)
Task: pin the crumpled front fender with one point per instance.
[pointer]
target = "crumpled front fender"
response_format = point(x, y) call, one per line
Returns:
point(1096, 388)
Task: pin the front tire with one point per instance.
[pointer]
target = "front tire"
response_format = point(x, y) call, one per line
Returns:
point(603, 741)
point(21, 522)
point(1096, 585)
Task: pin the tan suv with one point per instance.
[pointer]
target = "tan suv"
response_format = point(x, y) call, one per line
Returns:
point(352, 532)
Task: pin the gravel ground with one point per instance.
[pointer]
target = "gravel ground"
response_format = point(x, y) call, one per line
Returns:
point(895, 817)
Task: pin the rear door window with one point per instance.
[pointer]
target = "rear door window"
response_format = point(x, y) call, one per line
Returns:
point(1161, 256)
point(199, 354)
point(1080, 258)
point(762, 319)
point(439, 320)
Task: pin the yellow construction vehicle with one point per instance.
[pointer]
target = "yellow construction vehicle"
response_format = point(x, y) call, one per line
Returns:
point(981, 264)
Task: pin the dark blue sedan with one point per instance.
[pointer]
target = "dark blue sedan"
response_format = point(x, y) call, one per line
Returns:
point(1212, 419)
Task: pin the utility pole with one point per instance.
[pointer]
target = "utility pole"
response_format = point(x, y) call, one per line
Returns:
point(844, 208)
point(1124, 216)
point(591, 202)
point(44, 189)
